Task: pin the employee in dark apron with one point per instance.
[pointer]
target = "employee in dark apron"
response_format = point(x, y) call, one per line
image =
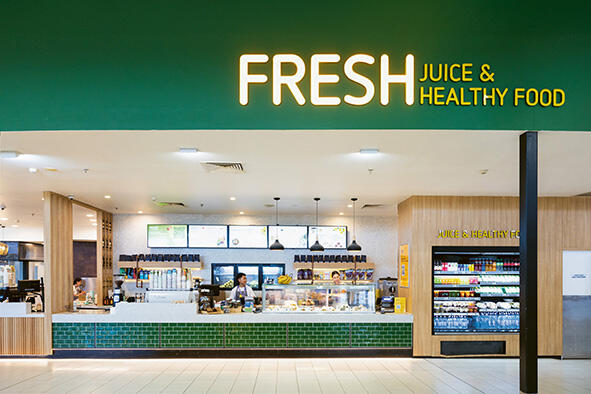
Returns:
point(243, 290)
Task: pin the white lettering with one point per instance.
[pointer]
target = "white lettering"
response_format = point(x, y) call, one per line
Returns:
point(246, 78)
point(407, 79)
point(360, 79)
point(316, 79)
point(291, 81)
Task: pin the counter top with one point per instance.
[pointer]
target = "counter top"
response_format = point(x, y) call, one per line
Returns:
point(17, 309)
point(186, 313)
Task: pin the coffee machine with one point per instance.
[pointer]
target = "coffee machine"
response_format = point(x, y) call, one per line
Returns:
point(118, 294)
point(388, 290)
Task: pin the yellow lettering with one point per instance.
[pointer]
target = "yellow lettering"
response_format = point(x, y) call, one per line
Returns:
point(423, 95)
point(556, 94)
point(475, 93)
point(451, 73)
point(529, 100)
point(452, 97)
point(502, 95)
point(439, 96)
point(466, 72)
point(518, 95)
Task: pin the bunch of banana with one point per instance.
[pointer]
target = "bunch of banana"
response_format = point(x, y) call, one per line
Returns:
point(284, 280)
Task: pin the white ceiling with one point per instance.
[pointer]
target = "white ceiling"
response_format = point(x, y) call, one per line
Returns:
point(134, 166)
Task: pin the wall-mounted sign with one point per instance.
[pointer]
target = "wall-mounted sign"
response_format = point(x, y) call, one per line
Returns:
point(502, 234)
point(404, 271)
point(443, 84)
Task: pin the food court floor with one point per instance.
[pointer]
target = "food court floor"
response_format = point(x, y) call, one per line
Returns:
point(341, 375)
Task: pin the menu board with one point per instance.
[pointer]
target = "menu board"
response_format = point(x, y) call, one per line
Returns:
point(291, 237)
point(208, 236)
point(248, 237)
point(331, 237)
point(167, 235)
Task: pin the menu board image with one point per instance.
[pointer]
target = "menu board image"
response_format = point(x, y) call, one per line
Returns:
point(248, 237)
point(167, 235)
point(291, 237)
point(208, 236)
point(331, 237)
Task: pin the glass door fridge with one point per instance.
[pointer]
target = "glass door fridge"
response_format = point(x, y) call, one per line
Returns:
point(223, 275)
point(270, 273)
point(252, 275)
point(475, 290)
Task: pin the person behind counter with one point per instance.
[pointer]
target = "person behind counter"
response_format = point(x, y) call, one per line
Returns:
point(336, 278)
point(242, 290)
point(77, 289)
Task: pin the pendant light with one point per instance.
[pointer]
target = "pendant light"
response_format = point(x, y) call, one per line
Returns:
point(354, 246)
point(276, 245)
point(316, 247)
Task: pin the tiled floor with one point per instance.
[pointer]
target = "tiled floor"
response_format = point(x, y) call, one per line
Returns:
point(341, 375)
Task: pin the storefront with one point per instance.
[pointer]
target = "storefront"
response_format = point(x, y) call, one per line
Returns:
point(400, 115)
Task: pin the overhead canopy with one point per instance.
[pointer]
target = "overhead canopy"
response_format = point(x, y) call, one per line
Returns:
point(148, 64)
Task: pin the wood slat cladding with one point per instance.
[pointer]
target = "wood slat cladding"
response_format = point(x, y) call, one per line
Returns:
point(22, 336)
point(104, 254)
point(564, 224)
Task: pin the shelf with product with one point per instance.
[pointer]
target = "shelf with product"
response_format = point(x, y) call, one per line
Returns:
point(475, 290)
point(353, 269)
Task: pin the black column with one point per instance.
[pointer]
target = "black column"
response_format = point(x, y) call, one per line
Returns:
point(528, 251)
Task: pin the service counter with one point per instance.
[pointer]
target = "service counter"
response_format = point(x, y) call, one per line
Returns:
point(178, 326)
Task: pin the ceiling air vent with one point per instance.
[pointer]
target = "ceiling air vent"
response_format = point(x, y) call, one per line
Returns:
point(223, 166)
point(372, 206)
point(169, 204)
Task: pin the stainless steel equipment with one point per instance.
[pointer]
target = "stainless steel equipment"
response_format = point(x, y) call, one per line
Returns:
point(388, 287)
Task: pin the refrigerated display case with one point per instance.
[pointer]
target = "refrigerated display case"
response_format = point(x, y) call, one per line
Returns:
point(319, 298)
point(475, 290)
point(256, 274)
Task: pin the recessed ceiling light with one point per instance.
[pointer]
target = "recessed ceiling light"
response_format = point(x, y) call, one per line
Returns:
point(94, 224)
point(350, 206)
point(33, 170)
point(484, 172)
point(232, 198)
point(50, 169)
point(242, 212)
point(3, 218)
point(107, 196)
point(15, 225)
point(90, 215)
point(9, 154)
point(341, 213)
point(92, 220)
point(140, 212)
point(369, 151)
point(188, 150)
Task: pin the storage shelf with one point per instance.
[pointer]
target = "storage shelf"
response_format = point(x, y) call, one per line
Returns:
point(490, 295)
point(499, 284)
point(334, 266)
point(456, 313)
point(475, 273)
point(456, 298)
point(160, 264)
point(440, 286)
point(498, 310)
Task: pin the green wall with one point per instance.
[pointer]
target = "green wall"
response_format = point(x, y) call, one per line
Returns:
point(146, 64)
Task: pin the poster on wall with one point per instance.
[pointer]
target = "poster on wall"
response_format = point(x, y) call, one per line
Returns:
point(167, 235)
point(254, 237)
point(291, 237)
point(404, 271)
point(331, 237)
point(208, 236)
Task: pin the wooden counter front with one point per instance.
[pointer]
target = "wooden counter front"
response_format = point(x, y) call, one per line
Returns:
point(22, 336)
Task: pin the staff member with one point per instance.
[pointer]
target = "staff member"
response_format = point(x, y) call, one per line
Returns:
point(336, 277)
point(242, 290)
point(77, 289)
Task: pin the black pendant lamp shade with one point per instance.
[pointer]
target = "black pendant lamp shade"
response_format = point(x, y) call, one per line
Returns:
point(276, 245)
point(354, 246)
point(316, 247)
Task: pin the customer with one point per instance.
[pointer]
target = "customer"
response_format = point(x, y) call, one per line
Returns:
point(242, 290)
point(77, 289)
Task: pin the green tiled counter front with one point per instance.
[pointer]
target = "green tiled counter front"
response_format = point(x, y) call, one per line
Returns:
point(318, 335)
point(73, 335)
point(179, 335)
point(381, 335)
point(127, 335)
point(256, 335)
point(231, 335)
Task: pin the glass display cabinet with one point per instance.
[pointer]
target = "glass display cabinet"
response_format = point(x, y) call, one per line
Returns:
point(319, 298)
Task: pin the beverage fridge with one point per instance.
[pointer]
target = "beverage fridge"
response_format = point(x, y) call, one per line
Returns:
point(475, 290)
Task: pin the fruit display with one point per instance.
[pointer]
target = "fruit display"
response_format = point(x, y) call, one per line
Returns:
point(228, 285)
point(284, 279)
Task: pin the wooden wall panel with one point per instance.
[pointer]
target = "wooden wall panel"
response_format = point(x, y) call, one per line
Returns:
point(404, 237)
point(564, 223)
point(21, 336)
point(104, 254)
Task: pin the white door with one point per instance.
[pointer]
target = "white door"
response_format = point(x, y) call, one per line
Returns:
point(576, 304)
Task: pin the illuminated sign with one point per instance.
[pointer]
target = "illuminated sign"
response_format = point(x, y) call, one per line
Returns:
point(434, 80)
point(502, 234)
